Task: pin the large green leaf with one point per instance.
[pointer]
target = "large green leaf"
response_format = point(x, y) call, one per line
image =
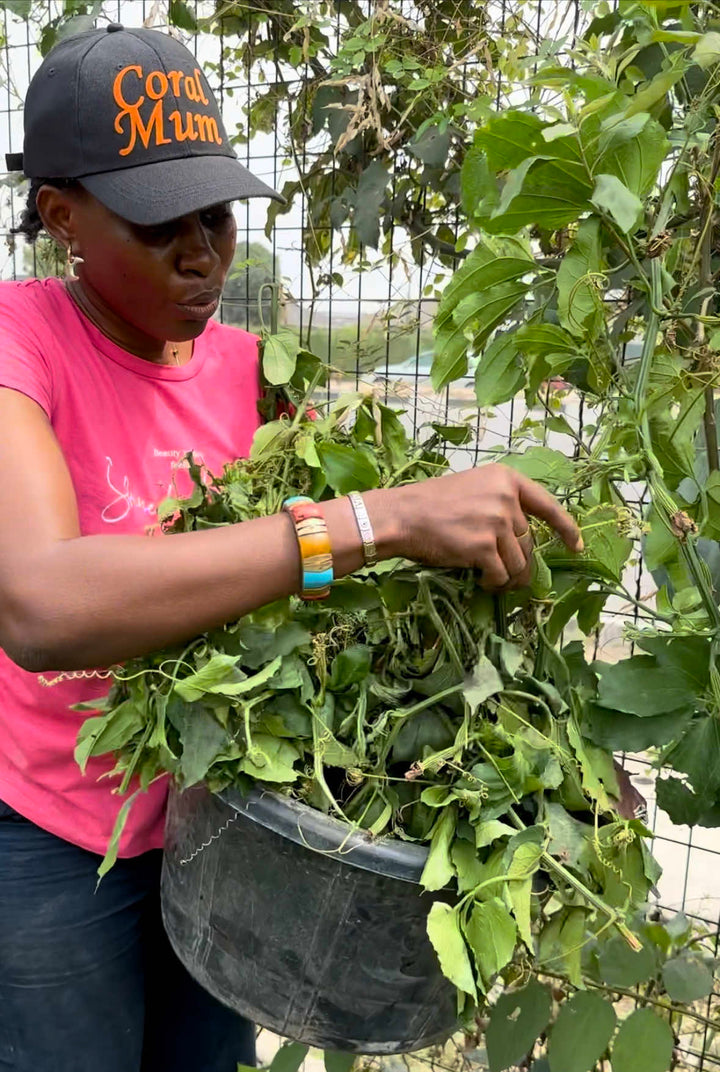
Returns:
point(640, 686)
point(478, 298)
point(478, 186)
point(580, 307)
point(443, 928)
point(633, 150)
point(613, 197)
point(569, 838)
point(202, 737)
point(689, 656)
point(280, 357)
point(107, 733)
point(516, 1020)
point(621, 732)
point(604, 542)
point(347, 469)
point(368, 203)
point(513, 136)
point(685, 807)
point(271, 759)
point(687, 978)
point(288, 1058)
point(698, 755)
point(247, 684)
point(549, 351)
point(619, 965)
point(544, 193)
point(707, 51)
point(499, 374)
point(491, 933)
point(644, 1043)
point(338, 1060)
point(581, 1033)
point(652, 93)
point(432, 145)
point(673, 436)
point(544, 465)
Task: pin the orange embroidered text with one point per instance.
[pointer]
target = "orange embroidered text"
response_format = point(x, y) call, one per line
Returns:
point(132, 88)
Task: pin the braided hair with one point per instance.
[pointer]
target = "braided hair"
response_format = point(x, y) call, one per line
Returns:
point(31, 223)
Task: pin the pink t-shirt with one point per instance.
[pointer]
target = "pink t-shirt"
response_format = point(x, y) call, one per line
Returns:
point(123, 424)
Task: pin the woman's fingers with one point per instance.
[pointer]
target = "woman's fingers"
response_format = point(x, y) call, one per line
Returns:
point(514, 558)
point(538, 502)
point(493, 571)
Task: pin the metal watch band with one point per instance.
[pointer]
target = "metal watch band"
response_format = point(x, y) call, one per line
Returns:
point(365, 528)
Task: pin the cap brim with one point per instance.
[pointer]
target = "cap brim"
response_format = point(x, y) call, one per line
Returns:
point(155, 193)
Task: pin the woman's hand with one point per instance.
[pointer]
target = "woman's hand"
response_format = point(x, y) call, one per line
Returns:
point(477, 519)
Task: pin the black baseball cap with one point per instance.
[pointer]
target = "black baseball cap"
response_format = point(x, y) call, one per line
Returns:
point(130, 115)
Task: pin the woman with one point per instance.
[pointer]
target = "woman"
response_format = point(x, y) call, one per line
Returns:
point(106, 380)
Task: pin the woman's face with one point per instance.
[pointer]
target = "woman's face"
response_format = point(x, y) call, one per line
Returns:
point(152, 284)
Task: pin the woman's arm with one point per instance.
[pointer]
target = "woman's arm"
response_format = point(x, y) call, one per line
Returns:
point(71, 602)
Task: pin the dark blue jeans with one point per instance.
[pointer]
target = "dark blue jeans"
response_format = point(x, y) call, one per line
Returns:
point(88, 981)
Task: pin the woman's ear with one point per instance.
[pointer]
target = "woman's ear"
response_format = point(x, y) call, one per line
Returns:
point(57, 210)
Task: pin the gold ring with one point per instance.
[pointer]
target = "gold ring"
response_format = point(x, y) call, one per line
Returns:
point(522, 535)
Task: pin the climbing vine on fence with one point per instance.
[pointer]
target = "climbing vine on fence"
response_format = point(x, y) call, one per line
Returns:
point(576, 204)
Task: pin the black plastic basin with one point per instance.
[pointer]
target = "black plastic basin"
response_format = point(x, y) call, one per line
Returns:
point(304, 927)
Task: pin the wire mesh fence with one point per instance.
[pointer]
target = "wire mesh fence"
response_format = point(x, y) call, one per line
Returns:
point(371, 320)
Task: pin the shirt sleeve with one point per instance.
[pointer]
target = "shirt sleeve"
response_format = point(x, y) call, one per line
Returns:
point(24, 364)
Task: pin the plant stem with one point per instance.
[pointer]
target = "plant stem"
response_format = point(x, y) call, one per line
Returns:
point(567, 876)
point(643, 999)
point(662, 498)
point(705, 282)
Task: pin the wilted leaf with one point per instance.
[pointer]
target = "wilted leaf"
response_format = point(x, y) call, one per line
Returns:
point(481, 683)
point(107, 733)
point(491, 933)
point(707, 51)
point(444, 932)
point(271, 759)
point(219, 669)
point(439, 870)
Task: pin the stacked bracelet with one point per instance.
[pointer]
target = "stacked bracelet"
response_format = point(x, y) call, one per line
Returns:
point(365, 528)
point(314, 542)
